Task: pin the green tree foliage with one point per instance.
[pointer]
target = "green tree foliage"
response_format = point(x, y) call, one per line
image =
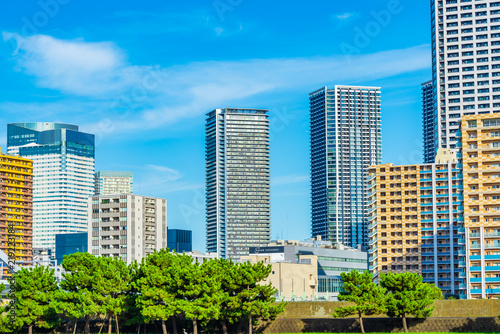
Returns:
point(33, 290)
point(259, 300)
point(157, 282)
point(78, 298)
point(367, 297)
point(112, 283)
point(408, 295)
point(199, 292)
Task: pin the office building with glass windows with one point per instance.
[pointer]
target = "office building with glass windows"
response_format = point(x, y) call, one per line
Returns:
point(110, 182)
point(63, 176)
point(465, 63)
point(345, 138)
point(237, 181)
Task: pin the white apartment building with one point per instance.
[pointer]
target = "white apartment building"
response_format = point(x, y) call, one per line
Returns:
point(112, 182)
point(126, 226)
point(465, 63)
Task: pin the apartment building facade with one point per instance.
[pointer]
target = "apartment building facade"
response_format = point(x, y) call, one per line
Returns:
point(417, 223)
point(345, 139)
point(113, 182)
point(16, 209)
point(126, 226)
point(237, 181)
point(466, 64)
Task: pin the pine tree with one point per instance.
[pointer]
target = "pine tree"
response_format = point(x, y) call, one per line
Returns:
point(367, 297)
point(200, 293)
point(33, 289)
point(112, 283)
point(78, 298)
point(157, 284)
point(408, 295)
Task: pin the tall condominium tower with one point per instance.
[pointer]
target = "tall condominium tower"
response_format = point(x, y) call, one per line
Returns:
point(127, 226)
point(237, 181)
point(63, 176)
point(465, 62)
point(108, 183)
point(345, 130)
point(428, 121)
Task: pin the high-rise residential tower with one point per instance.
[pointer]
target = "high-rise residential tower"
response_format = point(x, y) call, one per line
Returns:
point(237, 181)
point(108, 183)
point(465, 62)
point(63, 176)
point(345, 130)
point(16, 219)
point(428, 121)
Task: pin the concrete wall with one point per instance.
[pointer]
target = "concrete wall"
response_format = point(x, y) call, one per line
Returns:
point(444, 308)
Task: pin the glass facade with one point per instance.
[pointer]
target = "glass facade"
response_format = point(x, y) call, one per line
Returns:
point(345, 130)
point(428, 118)
point(63, 176)
point(179, 240)
point(237, 181)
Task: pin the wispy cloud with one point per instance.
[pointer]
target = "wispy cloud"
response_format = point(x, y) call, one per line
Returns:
point(343, 17)
point(289, 179)
point(152, 97)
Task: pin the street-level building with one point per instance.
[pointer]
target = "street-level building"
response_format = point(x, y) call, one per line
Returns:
point(345, 139)
point(332, 260)
point(127, 226)
point(67, 244)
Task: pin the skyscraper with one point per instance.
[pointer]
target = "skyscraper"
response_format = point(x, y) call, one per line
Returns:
point(63, 176)
point(237, 181)
point(345, 130)
point(465, 62)
point(428, 121)
point(108, 183)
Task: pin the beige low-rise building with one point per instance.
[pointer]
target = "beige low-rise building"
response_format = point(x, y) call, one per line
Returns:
point(293, 280)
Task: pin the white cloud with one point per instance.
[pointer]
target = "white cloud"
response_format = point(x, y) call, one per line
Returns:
point(152, 97)
point(289, 179)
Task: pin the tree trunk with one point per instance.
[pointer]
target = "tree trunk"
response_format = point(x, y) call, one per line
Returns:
point(195, 326)
point(110, 319)
point(144, 328)
point(361, 322)
point(87, 324)
point(74, 327)
point(174, 324)
point(117, 326)
point(30, 329)
point(224, 326)
point(404, 324)
point(163, 327)
point(250, 324)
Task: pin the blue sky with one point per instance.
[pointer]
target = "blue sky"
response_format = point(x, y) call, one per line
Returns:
point(142, 74)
